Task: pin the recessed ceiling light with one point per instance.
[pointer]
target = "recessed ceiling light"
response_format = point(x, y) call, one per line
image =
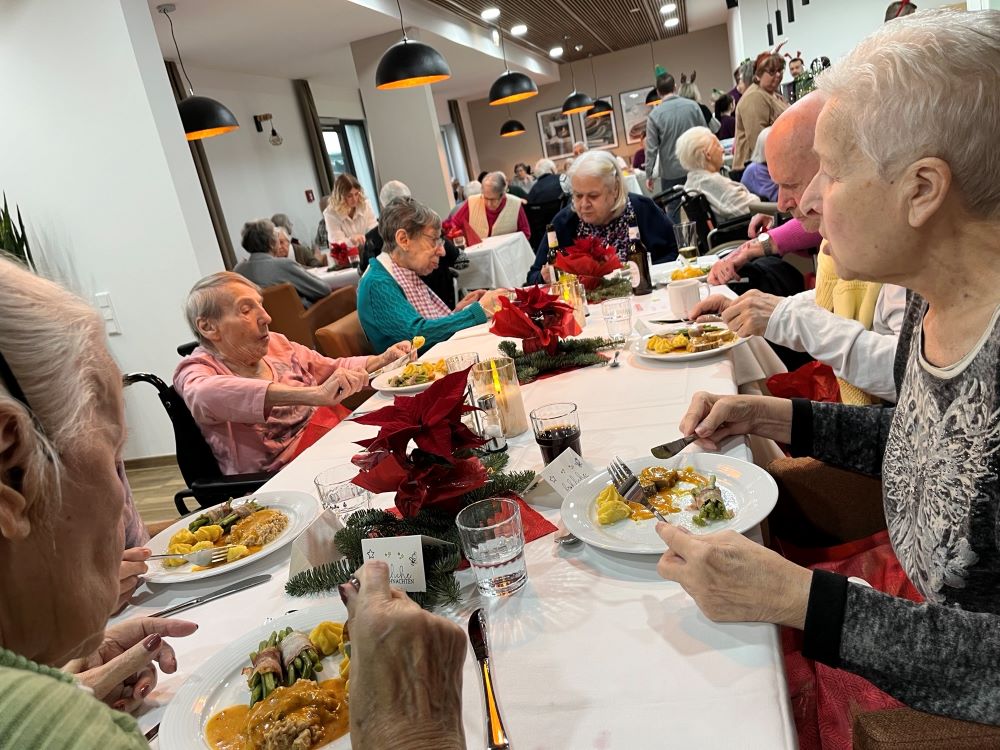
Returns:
point(671, 22)
point(578, 48)
point(518, 30)
point(490, 14)
point(668, 8)
point(556, 52)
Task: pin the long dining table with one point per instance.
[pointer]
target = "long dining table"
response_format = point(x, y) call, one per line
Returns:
point(596, 651)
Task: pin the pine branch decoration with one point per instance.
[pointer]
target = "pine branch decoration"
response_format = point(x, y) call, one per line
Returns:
point(572, 353)
point(610, 290)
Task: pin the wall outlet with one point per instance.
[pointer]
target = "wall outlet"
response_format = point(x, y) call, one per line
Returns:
point(107, 310)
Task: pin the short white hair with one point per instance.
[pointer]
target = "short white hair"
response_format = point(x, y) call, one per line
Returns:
point(758, 156)
point(926, 85)
point(498, 180)
point(691, 147)
point(473, 188)
point(545, 166)
point(602, 164)
point(391, 190)
point(53, 343)
point(207, 297)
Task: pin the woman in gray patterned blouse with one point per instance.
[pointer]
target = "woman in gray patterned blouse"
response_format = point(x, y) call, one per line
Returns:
point(908, 193)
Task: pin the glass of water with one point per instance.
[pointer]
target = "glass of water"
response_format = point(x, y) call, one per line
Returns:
point(459, 362)
point(686, 234)
point(618, 317)
point(493, 542)
point(339, 494)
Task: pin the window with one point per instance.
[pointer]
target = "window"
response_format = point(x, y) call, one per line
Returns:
point(347, 147)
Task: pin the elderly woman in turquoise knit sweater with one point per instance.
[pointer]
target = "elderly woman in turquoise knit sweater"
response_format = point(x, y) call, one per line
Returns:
point(393, 303)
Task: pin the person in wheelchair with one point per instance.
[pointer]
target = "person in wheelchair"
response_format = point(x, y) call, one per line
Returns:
point(701, 154)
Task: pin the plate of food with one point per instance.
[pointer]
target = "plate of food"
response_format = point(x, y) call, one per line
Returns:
point(282, 685)
point(696, 341)
point(411, 378)
point(702, 492)
point(690, 272)
point(255, 526)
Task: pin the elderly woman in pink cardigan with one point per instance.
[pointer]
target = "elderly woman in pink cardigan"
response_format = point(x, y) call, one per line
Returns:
point(251, 391)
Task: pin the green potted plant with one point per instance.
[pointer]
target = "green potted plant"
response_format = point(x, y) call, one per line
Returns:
point(13, 238)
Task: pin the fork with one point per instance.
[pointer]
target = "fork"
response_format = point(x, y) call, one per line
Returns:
point(202, 557)
point(628, 486)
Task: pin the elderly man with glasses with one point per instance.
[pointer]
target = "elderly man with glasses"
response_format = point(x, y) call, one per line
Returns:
point(493, 213)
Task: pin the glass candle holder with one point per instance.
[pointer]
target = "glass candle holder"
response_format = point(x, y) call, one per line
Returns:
point(571, 291)
point(497, 376)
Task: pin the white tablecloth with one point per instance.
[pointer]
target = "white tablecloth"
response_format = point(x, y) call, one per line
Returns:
point(336, 279)
point(596, 651)
point(497, 262)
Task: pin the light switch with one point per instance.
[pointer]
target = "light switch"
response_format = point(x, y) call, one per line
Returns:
point(107, 310)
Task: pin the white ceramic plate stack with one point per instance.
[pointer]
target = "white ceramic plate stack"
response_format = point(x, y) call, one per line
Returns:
point(748, 491)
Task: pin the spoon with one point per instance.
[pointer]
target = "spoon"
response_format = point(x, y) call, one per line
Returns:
point(568, 540)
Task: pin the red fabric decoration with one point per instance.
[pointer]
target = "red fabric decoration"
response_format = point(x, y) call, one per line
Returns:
point(451, 229)
point(814, 381)
point(536, 317)
point(324, 419)
point(590, 260)
point(341, 254)
point(534, 523)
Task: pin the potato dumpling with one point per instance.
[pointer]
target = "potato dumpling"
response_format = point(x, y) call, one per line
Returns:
point(326, 637)
point(174, 562)
point(211, 533)
point(418, 341)
point(202, 545)
point(179, 549)
point(611, 506)
point(236, 552)
point(183, 537)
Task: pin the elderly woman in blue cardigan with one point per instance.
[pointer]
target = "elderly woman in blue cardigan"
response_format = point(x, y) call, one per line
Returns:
point(602, 207)
point(393, 303)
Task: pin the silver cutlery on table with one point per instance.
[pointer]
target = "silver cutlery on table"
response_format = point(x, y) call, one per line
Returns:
point(232, 588)
point(671, 449)
point(202, 557)
point(394, 365)
point(628, 486)
point(496, 735)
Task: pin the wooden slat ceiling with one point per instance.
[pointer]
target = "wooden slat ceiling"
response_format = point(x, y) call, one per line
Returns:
point(600, 26)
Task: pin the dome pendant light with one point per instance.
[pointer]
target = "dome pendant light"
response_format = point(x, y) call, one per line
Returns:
point(601, 108)
point(201, 117)
point(577, 101)
point(511, 86)
point(408, 63)
point(653, 97)
point(512, 127)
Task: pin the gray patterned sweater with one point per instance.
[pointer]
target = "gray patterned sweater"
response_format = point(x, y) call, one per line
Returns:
point(938, 452)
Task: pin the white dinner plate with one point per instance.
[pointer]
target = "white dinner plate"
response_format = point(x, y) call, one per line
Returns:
point(639, 348)
point(300, 507)
point(748, 491)
point(218, 683)
point(381, 384)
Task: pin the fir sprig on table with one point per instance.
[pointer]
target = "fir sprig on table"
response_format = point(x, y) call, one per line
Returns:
point(610, 290)
point(572, 353)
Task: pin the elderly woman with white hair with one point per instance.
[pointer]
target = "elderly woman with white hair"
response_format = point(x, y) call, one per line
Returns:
point(757, 177)
point(492, 213)
point(700, 153)
point(252, 391)
point(917, 205)
point(547, 187)
point(602, 207)
point(269, 263)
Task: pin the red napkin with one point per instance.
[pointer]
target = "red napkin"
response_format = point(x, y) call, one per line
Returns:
point(534, 523)
point(814, 381)
point(324, 419)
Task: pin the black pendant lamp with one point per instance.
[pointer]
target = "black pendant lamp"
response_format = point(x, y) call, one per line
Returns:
point(511, 86)
point(512, 127)
point(653, 97)
point(577, 101)
point(408, 63)
point(601, 108)
point(201, 117)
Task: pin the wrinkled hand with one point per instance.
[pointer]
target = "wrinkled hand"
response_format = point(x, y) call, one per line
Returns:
point(714, 418)
point(749, 314)
point(406, 669)
point(759, 223)
point(391, 354)
point(711, 307)
point(732, 579)
point(491, 301)
point(468, 299)
point(129, 573)
point(724, 271)
point(342, 383)
point(121, 671)
point(357, 240)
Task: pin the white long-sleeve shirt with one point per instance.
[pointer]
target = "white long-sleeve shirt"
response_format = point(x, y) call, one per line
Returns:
point(861, 357)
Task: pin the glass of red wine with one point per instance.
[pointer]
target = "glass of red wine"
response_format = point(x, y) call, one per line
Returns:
point(557, 427)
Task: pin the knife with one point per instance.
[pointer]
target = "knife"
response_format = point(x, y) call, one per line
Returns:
point(394, 365)
point(671, 449)
point(232, 588)
point(497, 735)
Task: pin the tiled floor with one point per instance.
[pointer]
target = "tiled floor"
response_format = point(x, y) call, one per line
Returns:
point(153, 490)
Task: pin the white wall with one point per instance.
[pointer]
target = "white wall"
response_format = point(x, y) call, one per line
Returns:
point(95, 156)
point(336, 91)
point(253, 178)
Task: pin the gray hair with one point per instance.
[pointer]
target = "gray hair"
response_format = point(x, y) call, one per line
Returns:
point(898, 74)
point(758, 156)
point(602, 164)
point(407, 214)
point(282, 220)
point(691, 145)
point(473, 188)
point(497, 180)
point(545, 166)
point(391, 190)
point(690, 91)
point(746, 72)
point(53, 342)
point(257, 236)
point(207, 297)
point(580, 143)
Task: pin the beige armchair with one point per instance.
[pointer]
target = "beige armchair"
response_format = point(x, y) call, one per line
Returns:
point(299, 324)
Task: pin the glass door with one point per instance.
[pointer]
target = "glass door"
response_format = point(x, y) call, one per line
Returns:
point(347, 148)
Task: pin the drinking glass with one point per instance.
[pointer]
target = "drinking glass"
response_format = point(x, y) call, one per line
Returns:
point(459, 362)
point(618, 317)
point(687, 239)
point(493, 542)
point(339, 494)
point(557, 427)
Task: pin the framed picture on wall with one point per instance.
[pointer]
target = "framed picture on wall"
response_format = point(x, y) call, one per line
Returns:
point(634, 114)
point(557, 133)
point(599, 132)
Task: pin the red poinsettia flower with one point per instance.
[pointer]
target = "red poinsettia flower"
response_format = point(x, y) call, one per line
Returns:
point(451, 229)
point(536, 317)
point(340, 254)
point(439, 485)
point(590, 259)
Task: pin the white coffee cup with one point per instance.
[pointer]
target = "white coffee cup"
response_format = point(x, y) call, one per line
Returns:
point(683, 295)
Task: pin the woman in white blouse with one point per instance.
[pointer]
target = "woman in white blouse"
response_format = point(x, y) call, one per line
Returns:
point(348, 216)
point(700, 153)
